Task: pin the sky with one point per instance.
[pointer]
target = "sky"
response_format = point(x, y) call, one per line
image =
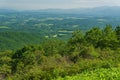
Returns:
point(55, 4)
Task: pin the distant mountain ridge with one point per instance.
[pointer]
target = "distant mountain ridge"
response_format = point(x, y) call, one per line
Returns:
point(97, 11)
point(7, 10)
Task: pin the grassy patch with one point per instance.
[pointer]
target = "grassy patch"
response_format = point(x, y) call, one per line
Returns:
point(3, 27)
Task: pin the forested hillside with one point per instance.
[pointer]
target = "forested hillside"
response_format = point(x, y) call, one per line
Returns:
point(93, 55)
point(15, 40)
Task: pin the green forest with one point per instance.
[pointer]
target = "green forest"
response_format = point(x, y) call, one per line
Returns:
point(86, 55)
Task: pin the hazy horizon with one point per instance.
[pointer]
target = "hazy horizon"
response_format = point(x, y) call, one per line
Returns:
point(55, 4)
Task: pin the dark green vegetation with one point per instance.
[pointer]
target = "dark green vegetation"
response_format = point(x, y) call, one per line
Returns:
point(84, 53)
point(14, 40)
point(27, 27)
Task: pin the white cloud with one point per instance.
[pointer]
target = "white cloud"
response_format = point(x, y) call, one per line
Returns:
point(96, 3)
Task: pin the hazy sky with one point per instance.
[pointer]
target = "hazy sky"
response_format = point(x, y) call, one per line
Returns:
point(64, 4)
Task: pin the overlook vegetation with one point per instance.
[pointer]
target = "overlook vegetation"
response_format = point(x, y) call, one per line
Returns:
point(93, 55)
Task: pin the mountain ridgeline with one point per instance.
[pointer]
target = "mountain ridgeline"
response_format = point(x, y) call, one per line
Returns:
point(96, 12)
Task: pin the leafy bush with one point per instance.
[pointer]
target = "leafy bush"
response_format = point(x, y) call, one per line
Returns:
point(98, 74)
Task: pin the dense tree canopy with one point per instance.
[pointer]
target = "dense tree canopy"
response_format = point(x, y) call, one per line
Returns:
point(97, 48)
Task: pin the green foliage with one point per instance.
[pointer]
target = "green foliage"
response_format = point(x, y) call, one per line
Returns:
point(98, 74)
point(53, 46)
point(109, 38)
point(5, 69)
point(93, 36)
point(105, 38)
point(89, 52)
point(55, 59)
point(117, 30)
point(77, 37)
